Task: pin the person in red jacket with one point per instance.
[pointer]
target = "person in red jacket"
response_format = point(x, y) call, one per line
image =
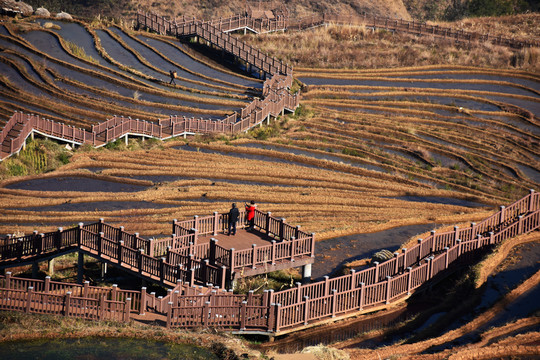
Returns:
point(250, 215)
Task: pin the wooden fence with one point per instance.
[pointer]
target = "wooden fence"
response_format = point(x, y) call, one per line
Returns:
point(276, 99)
point(117, 127)
point(186, 305)
point(179, 257)
point(211, 32)
point(412, 27)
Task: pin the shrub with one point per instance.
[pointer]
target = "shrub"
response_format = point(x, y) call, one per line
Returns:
point(63, 157)
point(118, 144)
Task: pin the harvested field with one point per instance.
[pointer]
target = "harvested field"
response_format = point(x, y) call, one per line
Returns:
point(394, 151)
point(84, 75)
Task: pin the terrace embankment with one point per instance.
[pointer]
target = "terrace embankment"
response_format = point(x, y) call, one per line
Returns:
point(104, 71)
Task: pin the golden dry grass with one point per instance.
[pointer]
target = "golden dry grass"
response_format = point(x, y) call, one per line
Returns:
point(319, 199)
point(358, 47)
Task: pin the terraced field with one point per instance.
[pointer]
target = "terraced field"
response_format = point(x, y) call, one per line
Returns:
point(368, 150)
point(75, 73)
point(412, 140)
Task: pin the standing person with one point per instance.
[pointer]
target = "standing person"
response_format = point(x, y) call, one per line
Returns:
point(250, 215)
point(234, 213)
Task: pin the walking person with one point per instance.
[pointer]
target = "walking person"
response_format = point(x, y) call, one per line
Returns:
point(173, 75)
point(250, 215)
point(234, 214)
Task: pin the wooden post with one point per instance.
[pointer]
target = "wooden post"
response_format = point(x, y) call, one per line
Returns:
point(58, 239)
point(273, 257)
point(478, 241)
point(212, 250)
point(271, 325)
point(140, 254)
point(46, 285)
point(419, 257)
point(396, 262)
point(362, 295)
point(409, 280)
point(195, 233)
point(216, 223)
point(161, 270)
point(277, 317)
point(446, 249)
point(376, 272)
point(502, 214)
point(473, 231)
point(100, 243)
point(281, 229)
point(179, 272)
point(268, 217)
point(326, 290)
point(79, 234)
point(223, 276)
point(291, 244)
point(306, 309)
point(388, 289)
point(404, 252)
point(67, 300)
point(253, 255)
point(174, 223)
point(29, 299)
point(8, 280)
point(456, 233)
point(151, 247)
point(120, 248)
point(169, 315)
point(520, 224)
point(191, 276)
point(334, 302)
point(100, 225)
point(231, 259)
point(196, 222)
point(531, 203)
point(491, 237)
point(127, 309)
point(313, 245)
point(206, 311)
point(114, 292)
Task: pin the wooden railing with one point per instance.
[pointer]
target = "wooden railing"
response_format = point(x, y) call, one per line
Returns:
point(374, 287)
point(179, 257)
point(413, 27)
point(188, 306)
point(289, 242)
point(384, 282)
point(211, 32)
point(276, 101)
point(237, 22)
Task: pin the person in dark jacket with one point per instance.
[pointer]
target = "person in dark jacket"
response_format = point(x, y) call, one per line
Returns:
point(173, 76)
point(250, 215)
point(234, 213)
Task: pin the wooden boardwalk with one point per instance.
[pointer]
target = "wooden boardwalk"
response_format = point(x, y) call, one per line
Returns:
point(189, 306)
point(188, 255)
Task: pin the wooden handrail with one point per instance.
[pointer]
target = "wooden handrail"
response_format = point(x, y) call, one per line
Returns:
point(381, 284)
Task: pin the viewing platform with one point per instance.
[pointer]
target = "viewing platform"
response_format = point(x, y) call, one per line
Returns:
point(198, 252)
